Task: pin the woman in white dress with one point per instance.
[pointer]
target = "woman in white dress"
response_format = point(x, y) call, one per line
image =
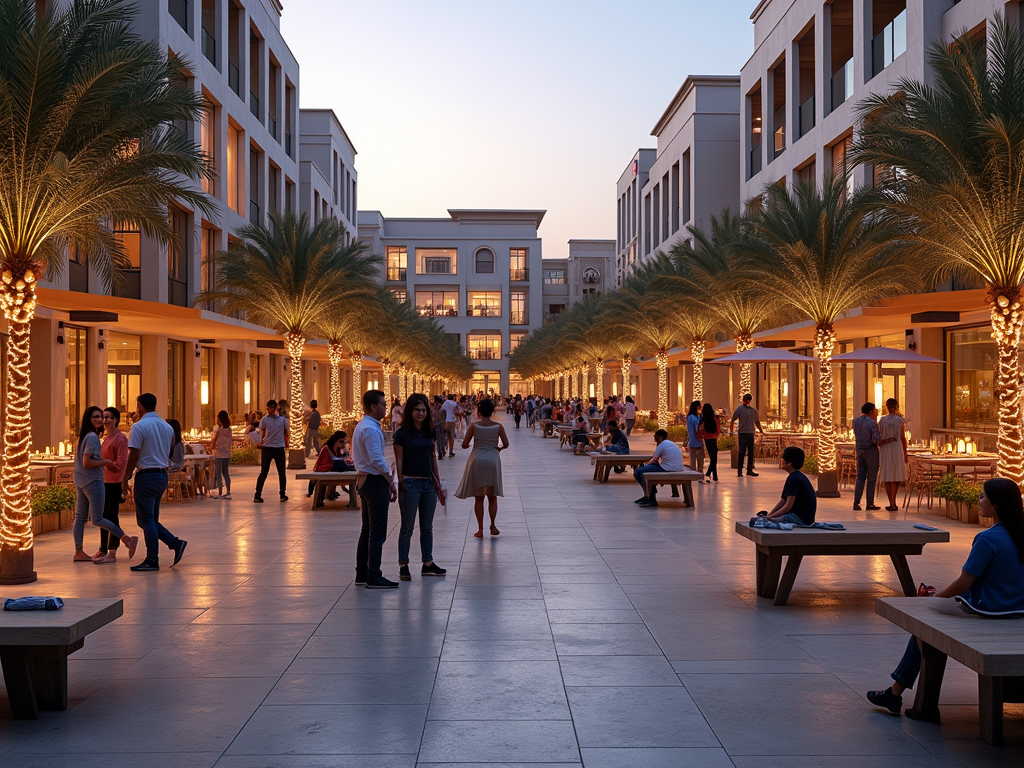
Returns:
point(892, 451)
point(482, 476)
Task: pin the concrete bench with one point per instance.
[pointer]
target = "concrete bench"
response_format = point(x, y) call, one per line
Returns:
point(34, 650)
point(329, 480)
point(990, 647)
point(897, 539)
point(677, 480)
point(603, 463)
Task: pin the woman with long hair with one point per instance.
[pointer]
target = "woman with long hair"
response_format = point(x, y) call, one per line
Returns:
point(708, 432)
point(482, 476)
point(220, 446)
point(693, 441)
point(419, 484)
point(991, 581)
point(892, 451)
point(333, 457)
point(177, 454)
point(89, 489)
point(114, 448)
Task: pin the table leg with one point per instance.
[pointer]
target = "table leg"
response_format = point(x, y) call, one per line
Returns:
point(760, 566)
point(353, 499)
point(929, 682)
point(687, 494)
point(990, 705)
point(18, 680)
point(36, 677)
point(772, 568)
point(675, 491)
point(788, 579)
point(903, 572)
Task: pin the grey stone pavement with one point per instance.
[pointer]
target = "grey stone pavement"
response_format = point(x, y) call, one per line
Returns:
point(590, 632)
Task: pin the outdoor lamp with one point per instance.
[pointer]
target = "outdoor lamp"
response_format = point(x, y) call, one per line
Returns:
point(247, 395)
point(204, 393)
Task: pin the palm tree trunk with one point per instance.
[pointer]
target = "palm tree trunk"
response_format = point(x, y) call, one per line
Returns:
point(295, 342)
point(697, 349)
point(403, 384)
point(824, 346)
point(335, 353)
point(1007, 325)
point(627, 363)
point(745, 341)
point(584, 384)
point(571, 376)
point(386, 371)
point(599, 374)
point(662, 360)
point(357, 384)
point(18, 298)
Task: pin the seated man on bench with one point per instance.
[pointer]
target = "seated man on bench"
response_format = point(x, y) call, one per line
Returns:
point(798, 503)
point(667, 458)
point(618, 443)
point(992, 580)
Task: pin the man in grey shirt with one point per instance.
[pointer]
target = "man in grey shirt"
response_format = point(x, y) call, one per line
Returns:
point(748, 419)
point(273, 442)
point(312, 440)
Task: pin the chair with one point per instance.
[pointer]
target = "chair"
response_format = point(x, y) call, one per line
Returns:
point(847, 468)
point(921, 479)
point(179, 486)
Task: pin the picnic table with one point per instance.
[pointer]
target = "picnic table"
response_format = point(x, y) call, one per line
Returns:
point(950, 463)
point(34, 650)
point(897, 539)
point(991, 648)
point(595, 422)
point(677, 480)
point(603, 463)
point(329, 480)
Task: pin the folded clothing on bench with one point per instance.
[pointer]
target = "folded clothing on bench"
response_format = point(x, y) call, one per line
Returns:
point(764, 522)
point(33, 604)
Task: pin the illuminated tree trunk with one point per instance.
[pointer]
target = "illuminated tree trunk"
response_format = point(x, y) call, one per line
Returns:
point(824, 346)
point(386, 370)
point(627, 363)
point(584, 370)
point(18, 298)
point(571, 376)
point(599, 373)
point(697, 350)
point(745, 341)
point(357, 383)
point(1007, 322)
point(335, 354)
point(295, 342)
point(662, 360)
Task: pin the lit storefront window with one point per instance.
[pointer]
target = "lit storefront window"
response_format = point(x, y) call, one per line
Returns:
point(972, 391)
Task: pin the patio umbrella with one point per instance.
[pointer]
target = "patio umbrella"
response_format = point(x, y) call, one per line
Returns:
point(764, 355)
point(885, 355)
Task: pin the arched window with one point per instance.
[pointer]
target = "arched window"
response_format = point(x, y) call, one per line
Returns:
point(485, 261)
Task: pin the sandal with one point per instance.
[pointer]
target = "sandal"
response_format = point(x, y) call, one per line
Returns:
point(478, 535)
point(107, 558)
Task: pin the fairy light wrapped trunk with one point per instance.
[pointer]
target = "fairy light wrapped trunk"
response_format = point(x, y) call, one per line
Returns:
point(335, 354)
point(584, 384)
point(1007, 322)
point(599, 373)
point(745, 342)
point(697, 351)
point(662, 361)
point(627, 363)
point(295, 343)
point(824, 346)
point(386, 368)
point(357, 383)
point(402, 385)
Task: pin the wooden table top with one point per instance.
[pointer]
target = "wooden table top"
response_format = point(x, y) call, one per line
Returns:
point(75, 620)
point(616, 458)
point(988, 646)
point(867, 532)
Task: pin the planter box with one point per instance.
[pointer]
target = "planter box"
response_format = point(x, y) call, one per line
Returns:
point(966, 514)
point(52, 521)
point(734, 456)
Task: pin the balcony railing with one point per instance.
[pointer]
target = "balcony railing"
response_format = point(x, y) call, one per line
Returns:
point(807, 118)
point(756, 161)
point(233, 80)
point(517, 318)
point(842, 84)
point(483, 354)
point(288, 145)
point(483, 312)
point(519, 275)
point(209, 45)
point(427, 310)
point(397, 274)
point(272, 127)
point(254, 103)
point(254, 213)
point(889, 44)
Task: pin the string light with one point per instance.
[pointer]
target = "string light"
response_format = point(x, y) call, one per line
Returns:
point(627, 361)
point(295, 342)
point(584, 370)
point(1007, 322)
point(403, 384)
point(599, 372)
point(662, 360)
point(697, 350)
point(744, 342)
point(357, 382)
point(824, 345)
point(386, 368)
point(335, 354)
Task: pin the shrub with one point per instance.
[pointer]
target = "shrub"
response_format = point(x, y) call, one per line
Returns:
point(648, 425)
point(53, 498)
point(243, 456)
point(726, 443)
point(961, 493)
point(677, 434)
point(325, 432)
point(810, 464)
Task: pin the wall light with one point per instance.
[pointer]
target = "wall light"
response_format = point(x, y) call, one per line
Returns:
point(204, 392)
point(247, 392)
point(879, 396)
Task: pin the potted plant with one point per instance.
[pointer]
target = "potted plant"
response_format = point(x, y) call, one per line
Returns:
point(53, 508)
point(728, 443)
point(961, 498)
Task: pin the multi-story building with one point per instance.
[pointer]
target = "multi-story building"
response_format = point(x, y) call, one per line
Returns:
point(588, 269)
point(327, 175)
point(478, 272)
point(629, 211)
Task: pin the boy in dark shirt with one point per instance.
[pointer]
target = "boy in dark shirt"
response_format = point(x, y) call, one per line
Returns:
point(798, 503)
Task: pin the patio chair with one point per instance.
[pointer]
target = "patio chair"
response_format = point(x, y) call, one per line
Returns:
point(179, 486)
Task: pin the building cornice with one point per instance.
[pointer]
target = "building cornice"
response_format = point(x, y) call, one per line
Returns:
point(496, 216)
point(689, 84)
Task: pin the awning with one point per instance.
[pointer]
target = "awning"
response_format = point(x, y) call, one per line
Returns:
point(764, 355)
point(886, 355)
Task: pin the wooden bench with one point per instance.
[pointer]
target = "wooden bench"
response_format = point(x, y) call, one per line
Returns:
point(603, 463)
point(328, 481)
point(34, 650)
point(990, 647)
point(677, 480)
point(897, 539)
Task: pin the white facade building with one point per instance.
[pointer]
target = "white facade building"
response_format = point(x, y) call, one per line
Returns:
point(588, 269)
point(327, 169)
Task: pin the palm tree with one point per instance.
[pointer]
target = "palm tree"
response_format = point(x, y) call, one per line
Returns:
point(822, 253)
point(350, 330)
point(291, 277)
point(393, 341)
point(85, 111)
point(588, 338)
point(956, 150)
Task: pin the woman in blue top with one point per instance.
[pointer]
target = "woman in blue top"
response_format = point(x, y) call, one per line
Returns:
point(693, 442)
point(992, 580)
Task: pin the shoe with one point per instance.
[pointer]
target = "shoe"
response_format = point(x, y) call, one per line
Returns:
point(451, 453)
point(381, 583)
point(309, 495)
point(432, 570)
point(283, 497)
point(856, 507)
point(99, 553)
point(739, 474)
point(226, 497)
point(890, 509)
point(649, 503)
point(81, 557)
point(441, 457)
point(145, 565)
point(107, 558)
point(641, 500)
point(752, 474)
point(179, 550)
point(403, 573)
point(886, 700)
point(924, 717)
point(875, 506)
point(132, 544)
point(258, 500)
point(360, 581)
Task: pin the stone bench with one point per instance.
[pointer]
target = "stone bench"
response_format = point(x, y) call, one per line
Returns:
point(677, 480)
point(897, 539)
point(603, 463)
point(34, 650)
point(329, 480)
point(991, 647)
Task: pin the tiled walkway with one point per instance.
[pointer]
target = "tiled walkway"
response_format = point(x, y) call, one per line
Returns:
point(589, 633)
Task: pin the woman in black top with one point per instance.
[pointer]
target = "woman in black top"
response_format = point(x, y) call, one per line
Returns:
point(418, 485)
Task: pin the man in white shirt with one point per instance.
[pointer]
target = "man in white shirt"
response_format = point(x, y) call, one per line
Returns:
point(449, 409)
point(273, 439)
point(667, 458)
point(376, 491)
point(149, 450)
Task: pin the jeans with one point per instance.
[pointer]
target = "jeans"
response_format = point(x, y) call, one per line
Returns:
point(149, 489)
point(642, 470)
point(867, 474)
point(910, 665)
point(517, 417)
point(697, 458)
point(111, 512)
point(618, 450)
point(630, 423)
point(375, 496)
point(711, 444)
point(89, 505)
point(792, 518)
point(312, 441)
point(277, 456)
point(441, 438)
point(745, 441)
point(417, 494)
point(222, 474)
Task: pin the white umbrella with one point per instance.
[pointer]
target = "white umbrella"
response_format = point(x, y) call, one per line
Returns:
point(764, 355)
point(885, 355)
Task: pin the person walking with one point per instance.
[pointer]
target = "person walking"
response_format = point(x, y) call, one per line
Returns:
point(867, 440)
point(114, 450)
point(708, 432)
point(419, 486)
point(312, 436)
point(376, 491)
point(629, 414)
point(748, 419)
point(893, 456)
point(149, 449)
point(440, 433)
point(450, 407)
point(89, 488)
point(517, 410)
point(693, 440)
point(220, 447)
point(396, 415)
point(482, 476)
point(273, 439)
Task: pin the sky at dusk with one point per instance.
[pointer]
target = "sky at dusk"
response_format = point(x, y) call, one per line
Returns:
point(528, 104)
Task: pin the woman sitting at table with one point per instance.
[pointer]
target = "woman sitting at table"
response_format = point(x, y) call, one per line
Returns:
point(333, 458)
point(580, 432)
point(992, 580)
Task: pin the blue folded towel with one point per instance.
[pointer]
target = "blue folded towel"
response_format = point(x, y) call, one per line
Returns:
point(33, 604)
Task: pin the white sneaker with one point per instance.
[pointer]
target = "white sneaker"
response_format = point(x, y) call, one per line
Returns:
point(226, 497)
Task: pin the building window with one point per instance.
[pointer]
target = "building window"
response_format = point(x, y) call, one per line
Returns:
point(179, 10)
point(889, 40)
point(207, 132)
point(518, 314)
point(206, 387)
point(517, 269)
point(485, 261)
point(208, 276)
point(437, 303)
point(437, 261)
point(483, 347)
point(398, 262)
point(483, 304)
point(178, 258)
point(514, 340)
point(400, 294)
point(974, 358)
point(554, 277)
point(236, 172)
point(76, 378)
point(176, 380)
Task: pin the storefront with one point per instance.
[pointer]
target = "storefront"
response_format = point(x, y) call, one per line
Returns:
point(124, 372)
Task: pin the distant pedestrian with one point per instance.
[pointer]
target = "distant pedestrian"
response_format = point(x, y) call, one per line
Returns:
point(629, 414)
point(440, 433)
point(517, 409)
point(115, 449)
point(312, 437)
point(693, 440)
point(220, 447)
point(482, 476)
point(273, 439)
point(450, 407)
point(746, 415)
point(867, 439)
point(376, 491)
point(176, 456)
point(708, 432)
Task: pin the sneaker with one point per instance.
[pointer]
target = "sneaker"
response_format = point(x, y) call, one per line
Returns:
point(739, 474)
point(451, 453)
point(875, 506)
point(283, 497)
point(179, 550)
point(145, 565)
point(258, 500)
point(649, 503)
point(381, 583)
point(403, 573)
point(360, 581)
point(641, 500)
point(432, 570)
point(886, 700)
point(856, 507)
point(226, 497)
point(752, 474)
